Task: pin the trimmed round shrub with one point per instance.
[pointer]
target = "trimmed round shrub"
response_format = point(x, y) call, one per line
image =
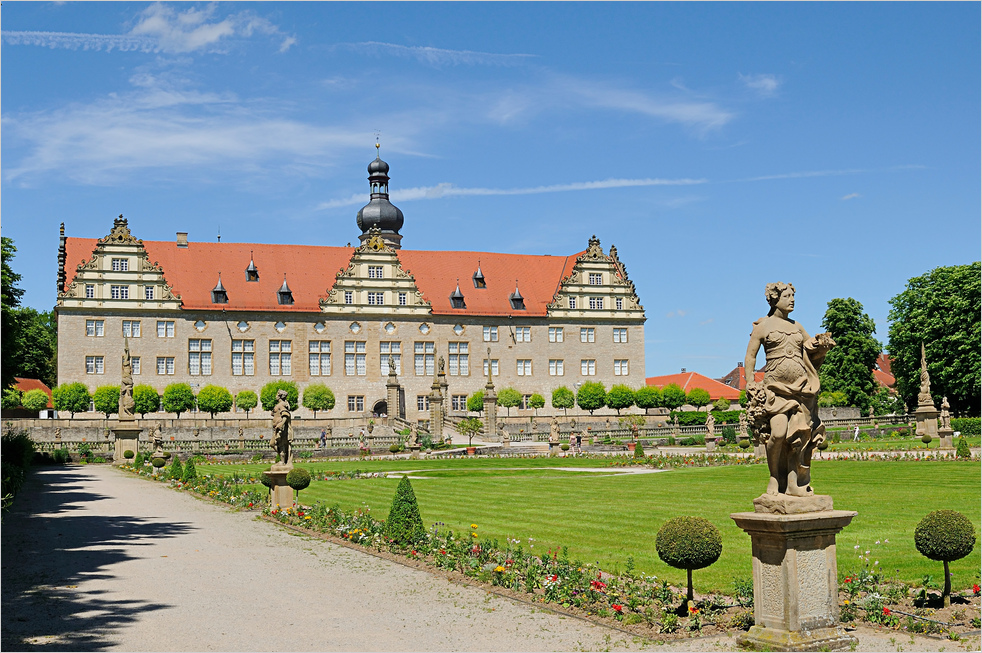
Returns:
point(945, 535)
point(744, 443)
point(299, 479)
point(158, 462)
point(404, 524)
point(190, 473)
point(823, 445)
point(265, 480)
point(962, 450)
point(926, 438)
point(395, 448)
point(129, 453)
point(689, 543)
point(176, 469)
point(166, 455)
point(638, 451)
point(564, 446)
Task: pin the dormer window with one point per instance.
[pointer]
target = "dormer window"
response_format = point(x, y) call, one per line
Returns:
point(284, 296)
point(516, 299)
point(252, 272)
point(479, 281)
point(218, 294)
point(457, 298)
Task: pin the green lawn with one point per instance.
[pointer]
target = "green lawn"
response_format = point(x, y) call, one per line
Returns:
point(605, 518)
point(894, 444)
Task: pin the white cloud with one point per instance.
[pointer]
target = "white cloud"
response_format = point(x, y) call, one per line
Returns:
point(439, 56)
point(449, 190)
point(77, 41)
point(676, 313)
point(851, 196)
point(766, 85)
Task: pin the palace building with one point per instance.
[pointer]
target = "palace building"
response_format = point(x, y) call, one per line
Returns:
point(240, 315)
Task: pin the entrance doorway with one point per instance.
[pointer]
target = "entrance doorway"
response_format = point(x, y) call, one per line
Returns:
point(380, 408)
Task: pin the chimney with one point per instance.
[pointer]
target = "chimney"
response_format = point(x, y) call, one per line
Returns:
point(182, 239)
point(739, 364)
point(683, 369)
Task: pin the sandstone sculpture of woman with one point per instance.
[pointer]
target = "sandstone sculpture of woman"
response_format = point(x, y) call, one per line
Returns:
point(126, 402)
point(783, 408)
point(282, 428)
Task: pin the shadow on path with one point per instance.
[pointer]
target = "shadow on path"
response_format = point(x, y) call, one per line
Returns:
point(48, 545)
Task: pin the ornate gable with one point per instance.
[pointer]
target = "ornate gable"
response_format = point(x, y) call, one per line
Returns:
point(597, 287)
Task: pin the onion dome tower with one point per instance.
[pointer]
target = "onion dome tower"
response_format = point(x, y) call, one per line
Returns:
point(380, 212)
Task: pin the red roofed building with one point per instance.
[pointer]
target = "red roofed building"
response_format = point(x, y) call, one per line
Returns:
point(881, 372)
point(690, 380)
point(735, 379)
point(242, 314)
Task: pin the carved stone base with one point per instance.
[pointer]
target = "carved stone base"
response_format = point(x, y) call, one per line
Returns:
point(785, 504)
point(927, 420)
point(127, 436)
point(947, 441)
point(280, 494)
point(796, 605)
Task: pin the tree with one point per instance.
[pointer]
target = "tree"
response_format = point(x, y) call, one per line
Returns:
point(145, 400)
point(214, 399)
point(509, 398)
point(268, 394)
point(620, 396)
point(404, 525)
point(10, 296)
point(698, 397)
point(469, 428)
point(689, 543)
point(743, 399)
point(591, 396)
point(536, 401)
point(318, 396)
point(722, 405)
point(178, 398)
point(11, 398)
point(848, 367)
point(945, 535)
point(563, 397)
point(829, 399)
point(72, 398)
point(298, 479)
point(35, 345)
point(673, 397)
point(647, 397)
point(35, 400)
point(246, 400)
point(475, 403)
point(940, 309)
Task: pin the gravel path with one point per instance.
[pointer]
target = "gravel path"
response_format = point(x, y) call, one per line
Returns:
point(95, 559)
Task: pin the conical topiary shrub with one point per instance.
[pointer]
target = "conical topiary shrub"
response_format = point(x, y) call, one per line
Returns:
point(138, 461)
point(638, 451)
point(190, 473)
point(962, 450)
point(176, 470)
point(298, 478)
point(404, 524)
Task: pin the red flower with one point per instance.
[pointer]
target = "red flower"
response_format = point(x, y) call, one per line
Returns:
point(553, 578)
point(617, 607)
point(886, 612)
point(976, 589)
point(693, 610)
point(847, 580)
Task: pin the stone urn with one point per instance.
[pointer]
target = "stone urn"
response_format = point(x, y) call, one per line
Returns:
point(631, 446)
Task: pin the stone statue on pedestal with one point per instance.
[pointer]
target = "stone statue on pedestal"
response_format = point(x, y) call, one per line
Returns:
point(158, 441)
point(554, 431)
point(414, 435)
point(783, 408)
point(945, 415)
point(743, 426)
point(710, 425)
point(283, 428)
point(126, 403)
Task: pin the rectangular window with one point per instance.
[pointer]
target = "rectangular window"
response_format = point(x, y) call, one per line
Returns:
point(555, 334)
point(199, 357)
point(422, 402)
point(121, 265)
point(619, 303)
point(494, 367)
point(620, 367)
point(165, 328)
point(491, 334)
point(524, 366)
point(148, 292)
point(354, 358)
point(423, 358)
point(523, 334)
point(165, 365)
point(588, 367)
point(525, 402)
point(131, 328)
point(135, 363)
point(458, 402)
point(356, 403)
point(458, 363)
point(376, 298)
point(596, 279)
point(95, 328)
point(94, 364)
point(403, 299)
point(243, 357)
point(596, 303)
point(620, 335)
point(280, 357)
point(349, 297)
point(320, 357)
point(555, 367)
point(393, 349)
point(89, 291)
point(587, 334)
point(374, 271)
point(572, 302)
point(119, 292)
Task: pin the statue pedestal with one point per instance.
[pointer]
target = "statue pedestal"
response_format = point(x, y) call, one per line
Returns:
point(760, 451)
point(127, 436)
point(281, 494)
point(927, 420)
point(710, 444)
point(947, 441)
point(796, 588)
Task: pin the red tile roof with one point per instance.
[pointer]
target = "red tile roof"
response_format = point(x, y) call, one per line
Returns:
point(25, 385)
point(311, 272)
point(883, 363)
point(736, 375)
point(689, 380)
point(884, 379)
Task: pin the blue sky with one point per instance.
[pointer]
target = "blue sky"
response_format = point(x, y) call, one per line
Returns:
point(719, 146)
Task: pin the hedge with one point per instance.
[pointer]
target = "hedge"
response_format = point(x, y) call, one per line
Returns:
point(967, 425)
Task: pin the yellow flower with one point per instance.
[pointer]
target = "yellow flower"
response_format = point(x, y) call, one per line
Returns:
point(473, 525)
point(499, 568)
point(846, 602)
point(473, 534)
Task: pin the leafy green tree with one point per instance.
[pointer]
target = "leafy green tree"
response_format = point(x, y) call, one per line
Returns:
point(829, 399)
point(10, 296)
point(563, 397)
point(35, 345)
point(11, 398)
point(536, 401)
point(647, 397)
point(620, 396)
point(509, 398)
point(721, 405)
point(404, 525)
point(673, 397)
point(743, 399)
point(145, 400)
point(35, 400)
point(214, 399)
point(591, 396)
point(106, 399)
point(698, 397)
point(246, 400)
point(268, 394)
point(71, 398)
point(943, 310)
point(316, 397)
point(475, 403)
point(848, 367)
point(178, 398)
point(469, 428)
point(885, 402)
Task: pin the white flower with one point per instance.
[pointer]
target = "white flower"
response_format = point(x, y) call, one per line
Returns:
point(856, 547)
point(877, 541)
point(876, 563)
point(867, 552)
